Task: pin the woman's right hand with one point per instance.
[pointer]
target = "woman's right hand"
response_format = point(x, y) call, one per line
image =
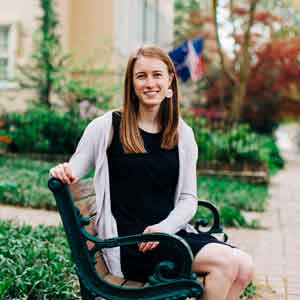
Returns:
point(63, 172)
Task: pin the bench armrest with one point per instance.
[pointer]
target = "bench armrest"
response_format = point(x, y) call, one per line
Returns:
point(175, 243)
point(216, 226)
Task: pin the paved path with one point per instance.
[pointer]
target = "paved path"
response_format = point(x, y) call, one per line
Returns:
point(276, 248)
point(34, 217)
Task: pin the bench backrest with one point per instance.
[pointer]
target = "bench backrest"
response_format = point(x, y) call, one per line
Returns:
point(84, 196)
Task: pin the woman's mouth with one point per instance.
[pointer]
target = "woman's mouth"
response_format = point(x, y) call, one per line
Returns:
point(151, 93)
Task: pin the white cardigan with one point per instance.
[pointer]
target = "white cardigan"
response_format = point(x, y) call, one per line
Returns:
point(91, 153)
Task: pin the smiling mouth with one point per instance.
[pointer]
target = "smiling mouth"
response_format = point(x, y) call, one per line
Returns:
point(151, 93)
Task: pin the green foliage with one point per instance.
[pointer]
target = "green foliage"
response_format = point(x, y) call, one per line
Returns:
point(42, 130)
point(235, 145)
point(47, 61)
point(270, 154)
point(23, 182)
point(232, 196)
point(35, 264)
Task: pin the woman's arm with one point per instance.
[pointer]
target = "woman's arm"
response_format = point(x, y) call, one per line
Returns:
point(93, 139)
point(80, 162)
point(84, 158)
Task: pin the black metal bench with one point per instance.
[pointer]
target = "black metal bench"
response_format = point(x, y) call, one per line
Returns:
point(169, 281)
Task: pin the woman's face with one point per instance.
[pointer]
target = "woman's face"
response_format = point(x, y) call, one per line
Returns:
point(151, 81)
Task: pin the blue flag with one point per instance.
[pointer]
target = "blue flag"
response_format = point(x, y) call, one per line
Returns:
point(187, 59)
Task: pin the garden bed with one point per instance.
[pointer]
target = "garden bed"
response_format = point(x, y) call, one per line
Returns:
point(35, 264)
point(252, 172)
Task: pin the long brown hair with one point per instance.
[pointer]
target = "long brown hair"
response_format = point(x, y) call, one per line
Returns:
point(169, 109)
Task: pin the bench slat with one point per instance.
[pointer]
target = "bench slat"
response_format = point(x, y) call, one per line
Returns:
point(133, 284)
point(114, 279)
point(87, 206)
point(82, 189)
point(100, 265)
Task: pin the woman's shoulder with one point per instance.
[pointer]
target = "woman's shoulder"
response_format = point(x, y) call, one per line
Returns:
point(185, 129)
point(187, 137)
point(101, 122)
point(99, 126)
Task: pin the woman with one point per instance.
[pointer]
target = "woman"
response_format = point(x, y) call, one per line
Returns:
point(145, 179)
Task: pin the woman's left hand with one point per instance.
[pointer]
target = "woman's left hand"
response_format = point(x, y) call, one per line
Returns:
point(149, 245)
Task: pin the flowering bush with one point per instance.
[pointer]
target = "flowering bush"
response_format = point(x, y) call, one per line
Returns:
point(42, 130)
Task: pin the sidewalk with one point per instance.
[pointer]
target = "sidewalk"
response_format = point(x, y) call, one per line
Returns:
point(31, 216)
point(276, 248)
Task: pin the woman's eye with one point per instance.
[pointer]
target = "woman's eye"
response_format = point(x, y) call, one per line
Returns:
point(140, 76)
point(157, 75)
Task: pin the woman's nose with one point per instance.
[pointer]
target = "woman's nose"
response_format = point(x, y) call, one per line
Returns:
point(150, 81)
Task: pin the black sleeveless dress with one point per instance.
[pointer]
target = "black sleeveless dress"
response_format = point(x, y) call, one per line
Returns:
point(142, 190)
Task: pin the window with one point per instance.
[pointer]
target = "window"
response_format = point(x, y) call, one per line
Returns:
point(150, 21)
point(136, 23)
point(9, 45)
point(4, 53)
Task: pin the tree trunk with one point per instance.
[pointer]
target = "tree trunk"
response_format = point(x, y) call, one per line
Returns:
point(224, 68)
point(241, 87)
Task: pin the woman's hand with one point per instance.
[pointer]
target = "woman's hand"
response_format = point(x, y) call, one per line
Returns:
point(149, 245)
point(63, 172)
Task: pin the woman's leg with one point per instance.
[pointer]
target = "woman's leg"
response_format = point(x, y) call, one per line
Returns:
point(245, 274)
point(221, 266)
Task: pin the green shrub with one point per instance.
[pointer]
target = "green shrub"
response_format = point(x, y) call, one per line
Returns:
point(235, 145)
point(35, 264)
point(43, 130)
point(270, 154)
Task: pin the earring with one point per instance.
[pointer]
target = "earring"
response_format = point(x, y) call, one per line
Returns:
point(169, 93)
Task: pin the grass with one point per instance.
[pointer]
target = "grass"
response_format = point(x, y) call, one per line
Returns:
point(35, 264)
point(231, 197)
point(23, 182)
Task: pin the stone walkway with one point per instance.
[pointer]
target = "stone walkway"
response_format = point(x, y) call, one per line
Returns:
point(275, 248)
point(34, 217)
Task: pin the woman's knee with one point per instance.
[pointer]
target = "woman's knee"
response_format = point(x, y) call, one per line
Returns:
point(246, 267)
point(219, 259)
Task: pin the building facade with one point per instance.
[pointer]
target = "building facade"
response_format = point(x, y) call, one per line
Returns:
point(102, 31)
